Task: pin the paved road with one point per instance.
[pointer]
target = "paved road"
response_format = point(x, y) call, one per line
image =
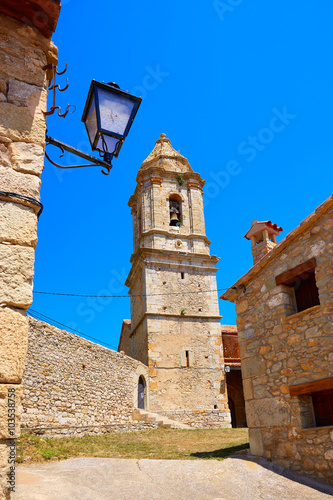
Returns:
point(128, 479)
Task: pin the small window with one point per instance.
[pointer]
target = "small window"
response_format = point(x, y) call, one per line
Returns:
point(323, 407)
point(306, 292)
point(182, 275)
point(316, 402)
point(302, 280)
point(187, 356)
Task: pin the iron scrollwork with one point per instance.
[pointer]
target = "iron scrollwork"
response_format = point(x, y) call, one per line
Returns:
point(94, 162)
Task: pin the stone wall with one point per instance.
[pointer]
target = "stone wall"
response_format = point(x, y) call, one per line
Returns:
point(281, 348)
point(72, 386)
point(199, 418)
point(23, 93)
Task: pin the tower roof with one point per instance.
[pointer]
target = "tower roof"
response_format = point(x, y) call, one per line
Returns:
point(258, 226)
point(164, 153)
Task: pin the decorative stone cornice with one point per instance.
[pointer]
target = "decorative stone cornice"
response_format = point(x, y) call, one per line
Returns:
point(196, 317)
point(194, 185)
point(156, 180)
point(152, 175)
point(163, 232)
point(169, 258)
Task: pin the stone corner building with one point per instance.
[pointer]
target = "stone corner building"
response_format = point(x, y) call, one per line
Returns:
point(25, 30)
point(175, 321)
point(284, 307)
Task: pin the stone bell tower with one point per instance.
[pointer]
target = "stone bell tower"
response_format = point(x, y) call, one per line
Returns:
point(175, 321)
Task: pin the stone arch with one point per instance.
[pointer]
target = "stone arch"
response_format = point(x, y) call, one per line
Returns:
point(175, 195)
point(175, 201)
point(236, 398)
point(141, 375)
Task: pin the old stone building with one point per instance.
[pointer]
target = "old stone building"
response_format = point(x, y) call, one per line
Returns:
point(73, 387)
point(175, 320)
point(25, 30)
point(284, 307)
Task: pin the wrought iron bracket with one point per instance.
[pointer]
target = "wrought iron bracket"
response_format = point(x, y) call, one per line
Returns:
point(95, 162)
point(53, 71)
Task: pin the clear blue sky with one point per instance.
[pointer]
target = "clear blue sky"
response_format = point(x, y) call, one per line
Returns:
point(242, 88)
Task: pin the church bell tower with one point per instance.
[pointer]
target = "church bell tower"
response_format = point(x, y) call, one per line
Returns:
point(175, 321)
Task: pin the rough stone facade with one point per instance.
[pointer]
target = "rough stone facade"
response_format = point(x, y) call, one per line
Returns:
point(72, 386)
point(287, 355)
point(175, 320)
point(24, 50)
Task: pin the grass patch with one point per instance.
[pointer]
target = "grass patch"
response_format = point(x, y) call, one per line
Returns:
point(158, 443)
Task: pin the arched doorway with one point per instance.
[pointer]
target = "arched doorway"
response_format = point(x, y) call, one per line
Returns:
point(141, 392)
point(232, 412)
point(236, 398)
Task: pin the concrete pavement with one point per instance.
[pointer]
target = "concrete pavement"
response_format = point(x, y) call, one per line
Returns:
point(237, 477)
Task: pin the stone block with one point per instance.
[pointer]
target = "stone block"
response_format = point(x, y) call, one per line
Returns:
point(10, 410)
point(26, 157)
point(16, 270)
point(248, 389)
point(22, 123)
point(241, 307)
point(15, 182)
point(23, 94)
point(256, 442)
point(279, 299)
point(287, 450)
point(246, 334)
point(4, 470)
point(24, 51)
point(13, 344)
point(18, 224)
point(4, 155)
point(267, 412)
point(253, 367)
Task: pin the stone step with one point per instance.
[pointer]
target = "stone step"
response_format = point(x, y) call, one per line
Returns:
point(162, 421)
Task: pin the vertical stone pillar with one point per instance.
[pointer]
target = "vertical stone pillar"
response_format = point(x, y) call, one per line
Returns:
point(197, 211)
point(23, 94)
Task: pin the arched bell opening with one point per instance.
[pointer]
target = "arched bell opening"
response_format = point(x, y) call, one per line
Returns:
point(142, 393)
point(175, 209)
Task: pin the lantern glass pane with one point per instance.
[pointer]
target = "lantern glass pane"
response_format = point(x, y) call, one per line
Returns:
point(115, 111)
point(109, 145)
point(91, 121)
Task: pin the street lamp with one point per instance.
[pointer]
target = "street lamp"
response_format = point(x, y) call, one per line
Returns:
point(108, 115)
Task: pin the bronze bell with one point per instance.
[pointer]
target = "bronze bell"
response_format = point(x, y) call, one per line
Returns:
point(174, 221)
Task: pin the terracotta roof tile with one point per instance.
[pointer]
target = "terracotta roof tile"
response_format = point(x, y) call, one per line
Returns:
point(229, 329)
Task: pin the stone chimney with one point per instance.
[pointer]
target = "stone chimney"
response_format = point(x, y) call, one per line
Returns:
point(263, 238)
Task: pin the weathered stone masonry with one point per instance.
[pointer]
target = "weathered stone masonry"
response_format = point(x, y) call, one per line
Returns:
point(24, 50)
point(283, 350)
point(72, 386)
